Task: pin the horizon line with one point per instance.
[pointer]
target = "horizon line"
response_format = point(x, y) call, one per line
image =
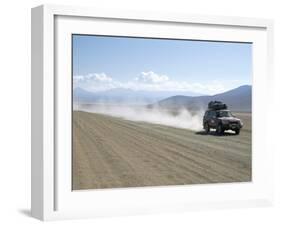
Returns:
point(141, 90)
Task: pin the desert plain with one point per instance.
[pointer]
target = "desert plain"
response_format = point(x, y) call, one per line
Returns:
point(111, 152)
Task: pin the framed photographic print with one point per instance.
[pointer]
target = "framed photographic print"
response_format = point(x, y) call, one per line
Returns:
point(137, 112)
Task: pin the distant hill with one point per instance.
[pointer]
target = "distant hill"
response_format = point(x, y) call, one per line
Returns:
point(126, 96)
point(239, 99)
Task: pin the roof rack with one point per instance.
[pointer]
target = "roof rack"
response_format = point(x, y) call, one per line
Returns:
point(217, 105)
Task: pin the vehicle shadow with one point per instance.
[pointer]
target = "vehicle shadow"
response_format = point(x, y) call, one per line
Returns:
point(213, 133)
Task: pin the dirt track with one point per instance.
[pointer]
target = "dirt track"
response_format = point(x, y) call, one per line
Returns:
point(109, 152)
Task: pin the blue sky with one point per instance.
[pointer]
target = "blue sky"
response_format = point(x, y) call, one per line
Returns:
point(101, 63)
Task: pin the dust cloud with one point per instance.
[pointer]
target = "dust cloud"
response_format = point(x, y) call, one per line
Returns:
point(180, 119)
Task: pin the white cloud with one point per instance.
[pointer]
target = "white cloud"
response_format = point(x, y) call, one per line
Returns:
point(92, 77)
point(101, 77)
point(151, 77)
point(147, 81)
point(94, 82)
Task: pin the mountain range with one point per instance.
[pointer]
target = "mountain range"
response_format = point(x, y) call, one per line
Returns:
point(126, 96)
point(238, 99)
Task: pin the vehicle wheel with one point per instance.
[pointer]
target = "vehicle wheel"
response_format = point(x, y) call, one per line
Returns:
point(207, 128)
point(219, 129)
point(237, 131)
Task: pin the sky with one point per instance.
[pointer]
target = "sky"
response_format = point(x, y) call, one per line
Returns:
point(102, 62)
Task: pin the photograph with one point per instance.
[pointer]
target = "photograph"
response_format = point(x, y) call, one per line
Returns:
point(152, 111)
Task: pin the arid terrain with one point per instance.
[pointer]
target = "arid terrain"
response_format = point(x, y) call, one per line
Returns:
point(110, 152)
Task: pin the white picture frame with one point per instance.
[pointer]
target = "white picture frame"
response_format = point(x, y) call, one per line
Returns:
point(52, 197)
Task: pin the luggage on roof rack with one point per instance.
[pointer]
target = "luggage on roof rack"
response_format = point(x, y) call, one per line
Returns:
point(217, 105)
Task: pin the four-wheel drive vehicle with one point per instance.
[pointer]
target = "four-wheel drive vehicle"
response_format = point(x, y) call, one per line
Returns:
point(221, 119)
